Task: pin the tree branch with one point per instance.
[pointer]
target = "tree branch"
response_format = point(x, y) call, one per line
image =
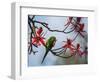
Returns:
point(46, 26)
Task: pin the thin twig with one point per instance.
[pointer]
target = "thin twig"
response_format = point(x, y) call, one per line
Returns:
point(46, 25)
point(75, 37)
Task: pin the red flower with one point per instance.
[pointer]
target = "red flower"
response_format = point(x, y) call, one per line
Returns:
point(85, 52)
point(77, 24)
point(69, 21)
point(69, 45)
point(39, 31)
point(38, 39)
point(78, 50)
point(80, 29)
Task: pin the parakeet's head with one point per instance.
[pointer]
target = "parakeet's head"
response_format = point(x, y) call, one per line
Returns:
point(53, 39)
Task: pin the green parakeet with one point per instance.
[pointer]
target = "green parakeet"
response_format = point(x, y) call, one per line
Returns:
point(49, 44)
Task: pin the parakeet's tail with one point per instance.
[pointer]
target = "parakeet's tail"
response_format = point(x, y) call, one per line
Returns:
point(44, 56)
